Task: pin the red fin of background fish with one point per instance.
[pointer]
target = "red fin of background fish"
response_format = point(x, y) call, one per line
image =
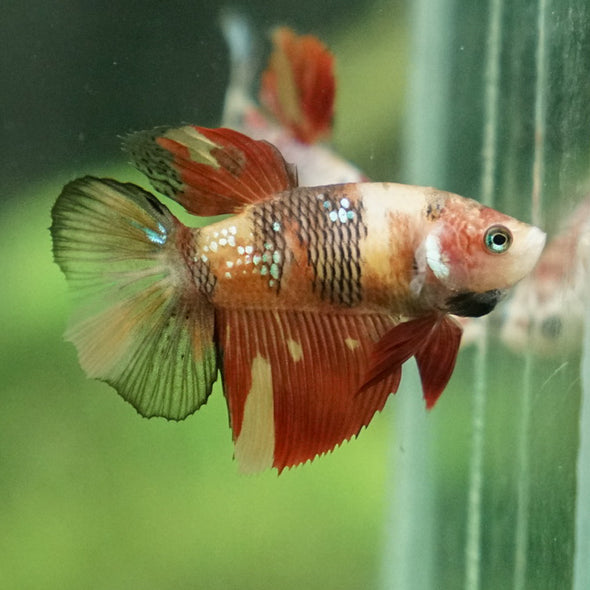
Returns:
point(142, 325)
point(298, 86)
point(436, 358)
point(398, 345)
point(291, 379)
point(210, 171)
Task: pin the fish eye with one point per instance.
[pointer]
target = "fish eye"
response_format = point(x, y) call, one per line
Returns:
point(497, 239)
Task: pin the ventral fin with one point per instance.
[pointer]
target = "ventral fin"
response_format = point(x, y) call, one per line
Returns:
point(398, 345)
point(141, 325)
point(433, 340)
point(436, 358)
point(298, 87)
point(210, 171)
point(291, 379)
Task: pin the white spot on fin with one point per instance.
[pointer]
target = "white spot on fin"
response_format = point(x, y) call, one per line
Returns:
point(351, 343)
point(255, 446)
point(295, 350)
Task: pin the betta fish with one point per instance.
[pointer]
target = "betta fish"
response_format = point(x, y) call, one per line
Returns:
point(545, 314)
point(297, 95)
point(307, 300)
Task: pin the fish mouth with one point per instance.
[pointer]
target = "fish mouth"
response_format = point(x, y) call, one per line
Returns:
point(473, 305)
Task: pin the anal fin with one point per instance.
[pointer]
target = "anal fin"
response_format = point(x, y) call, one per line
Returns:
point(291, 379)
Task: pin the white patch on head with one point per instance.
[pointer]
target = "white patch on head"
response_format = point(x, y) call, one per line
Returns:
point(295, 350)
point(351, 343)
point(255, 446)
point(434, 257)
point(419, 275)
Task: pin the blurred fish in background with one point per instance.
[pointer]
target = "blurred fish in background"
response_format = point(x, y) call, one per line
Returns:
point(297, 94)
point(545, 314)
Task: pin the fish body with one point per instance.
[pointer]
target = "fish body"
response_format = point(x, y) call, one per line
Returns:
point(545, 314)
point(308, 300)
point(311, 247)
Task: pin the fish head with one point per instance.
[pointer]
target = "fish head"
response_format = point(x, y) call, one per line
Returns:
point(546, 325)
point(476, 253)
point(545, 313)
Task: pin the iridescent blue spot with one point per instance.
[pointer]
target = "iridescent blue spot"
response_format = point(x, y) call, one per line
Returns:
point(276, 256)
point(327, 205)
point(264, 270)
point(342, 215)
point(154, 236)
point(333, 215)
point(151, 234)
point(274, 271)
point(276, 226)
point(350, 214)
point(256, 259)
point(267, 246)
point(345, 203)
point(265, 257)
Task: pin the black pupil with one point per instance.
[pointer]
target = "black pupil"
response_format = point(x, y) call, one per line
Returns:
point(499, 239)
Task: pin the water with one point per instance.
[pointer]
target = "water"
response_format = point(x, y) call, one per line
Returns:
point(487, 100)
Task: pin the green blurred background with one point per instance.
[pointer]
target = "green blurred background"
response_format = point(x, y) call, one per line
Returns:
point(92, 495)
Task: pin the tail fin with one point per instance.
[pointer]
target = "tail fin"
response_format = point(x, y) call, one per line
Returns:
point(143, 325)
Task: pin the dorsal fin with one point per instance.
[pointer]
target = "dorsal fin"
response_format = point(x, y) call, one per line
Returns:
point(298, 87)
point(210, 171)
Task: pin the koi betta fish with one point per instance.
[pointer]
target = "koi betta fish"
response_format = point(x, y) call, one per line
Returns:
point(546, 311)
point(297, 96)
point(307, 300)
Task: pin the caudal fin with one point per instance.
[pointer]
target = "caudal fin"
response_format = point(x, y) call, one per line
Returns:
point(142, 324)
